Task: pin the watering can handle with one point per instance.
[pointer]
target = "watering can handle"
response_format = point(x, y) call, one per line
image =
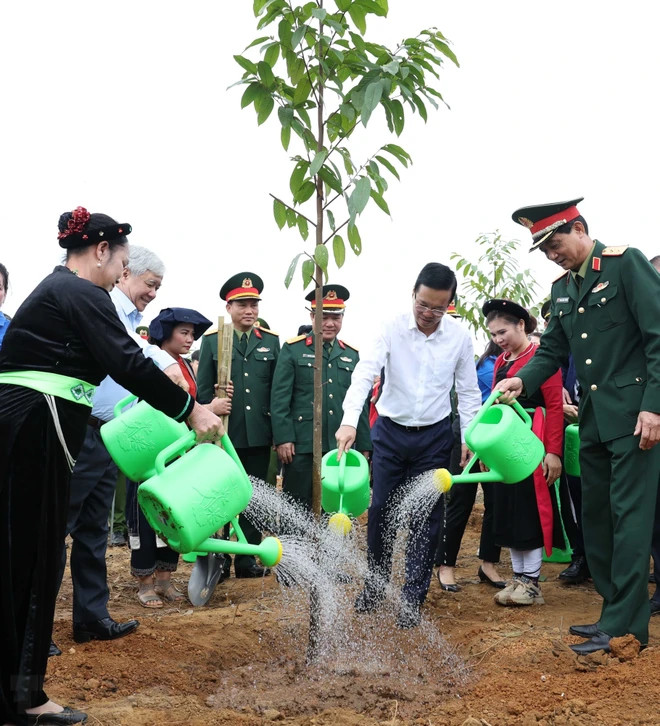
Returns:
point(514, 404)
point(342, 473)
point(229, 448)
point(124, 402)
point(174, 449)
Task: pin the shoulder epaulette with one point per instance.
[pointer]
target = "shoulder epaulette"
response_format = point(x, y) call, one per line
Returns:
point(265, 330)
point(563, 274)
point(614, 251)
point(211, 332)
point(296, 339)
point(348, 345)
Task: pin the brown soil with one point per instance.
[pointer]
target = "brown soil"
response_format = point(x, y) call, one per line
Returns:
point(240, 660)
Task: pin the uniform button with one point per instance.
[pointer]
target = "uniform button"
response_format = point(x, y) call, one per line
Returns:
point(309, 365)
point(330, 395)
point(584, 336)
point(245, 374)
point(329, 365)
point(299, 418)
point(588, 361)
point(247, 407)
point(245, 359)
point(247, 390)
point(580, 310)
point(331, 412)
point(561, 312)
point(265, 358)
point(603, 299)
point(638, 379)
point(594, 387)
point(329, 380)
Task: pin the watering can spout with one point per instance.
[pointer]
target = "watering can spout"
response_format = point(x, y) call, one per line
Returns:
point(269, 551)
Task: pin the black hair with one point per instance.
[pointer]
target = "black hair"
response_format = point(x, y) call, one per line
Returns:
point(304, 330)
point(5, 276)
point(96, 222)
point(530, 325)
point(654, 261)
point(492, 348)
point(437, 277)
point(566, 228)
point(195, 354)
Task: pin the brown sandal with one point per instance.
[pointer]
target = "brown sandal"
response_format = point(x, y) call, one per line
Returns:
point(148, 598)
point(169, 592)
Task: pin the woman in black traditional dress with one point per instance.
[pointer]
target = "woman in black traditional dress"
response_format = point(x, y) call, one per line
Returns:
point(64, 339)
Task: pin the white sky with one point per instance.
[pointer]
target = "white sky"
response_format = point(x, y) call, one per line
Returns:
point(122, 107)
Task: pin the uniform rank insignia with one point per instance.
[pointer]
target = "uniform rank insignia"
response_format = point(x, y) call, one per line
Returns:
point(595, 264)
point(600, 286)
point(263, 350)
point(346, 359)
point(562, 299)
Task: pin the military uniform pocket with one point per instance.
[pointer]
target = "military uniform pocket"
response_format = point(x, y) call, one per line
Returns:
point(606, 308)
point(263, 364)
point(563, 312)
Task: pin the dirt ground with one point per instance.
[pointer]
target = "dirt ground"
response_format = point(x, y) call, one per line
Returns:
point(240, 660)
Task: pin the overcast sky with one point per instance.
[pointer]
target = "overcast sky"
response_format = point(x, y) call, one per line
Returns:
point(123, 107)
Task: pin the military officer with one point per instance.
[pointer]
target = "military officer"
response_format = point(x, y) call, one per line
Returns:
point(605, 310)
point(255, 352)
point(292, 397)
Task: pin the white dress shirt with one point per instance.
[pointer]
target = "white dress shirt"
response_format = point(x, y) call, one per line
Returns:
point(420, 371)
point(109, 392)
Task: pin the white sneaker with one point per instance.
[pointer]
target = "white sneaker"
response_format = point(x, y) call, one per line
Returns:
point(527, 593)
point(503, 597)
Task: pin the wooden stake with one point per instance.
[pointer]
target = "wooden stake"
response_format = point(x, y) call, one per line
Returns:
point(225, 347)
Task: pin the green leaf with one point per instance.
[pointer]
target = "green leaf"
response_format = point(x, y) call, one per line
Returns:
point(302, 227)
point(284, 33)
point(307, 272)
point(420, 106)
point(344, 5)
point(358, 17)
point(258, 6)
point(297, 176)
point(391, 67)
point(331, 220)
point(272, 54)
point(354, 239)
point(292, 269)
point(321, 257)
point(297, 36)
point(266, 74)
point(305, 192)
point(248, 65)
point(380, 201)
point(371, 100)
point(331, 179)
point(256, 41)
point(265, 108)
point(359, 196)
point(339, 250)
point(291, 218)
point(285, 137)
point(317, 162)
point(279, 212)
point(319, 13)
point(285, 114)
point(303, 89)
point(398, 116)
point(251, 92)
point(446, 51)
point(401, 154)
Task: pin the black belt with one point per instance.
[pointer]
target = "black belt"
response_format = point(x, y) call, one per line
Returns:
point(413, 428)
point(95, 422)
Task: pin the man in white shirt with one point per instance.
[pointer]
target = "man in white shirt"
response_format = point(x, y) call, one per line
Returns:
point(424, 353)
point(95, 474)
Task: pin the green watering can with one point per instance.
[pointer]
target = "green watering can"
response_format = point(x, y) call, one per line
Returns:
point(502, 438)
point(572, 450)
point(187, 502)
point(344, 488)
point(135, 437)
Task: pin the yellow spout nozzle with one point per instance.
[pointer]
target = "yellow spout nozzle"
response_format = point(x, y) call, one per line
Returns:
point(442, 480)
point(340, 523)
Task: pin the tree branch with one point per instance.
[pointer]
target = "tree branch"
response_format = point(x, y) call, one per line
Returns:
point(288, 206)
point(343, 224)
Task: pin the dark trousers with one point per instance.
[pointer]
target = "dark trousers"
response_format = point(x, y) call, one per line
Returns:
point(619, 492)
point(398, 456)
point(148, 557)
point(459, 508)
point(92, 488)
point(297, 479)
point(655, 549)
point(255, 460)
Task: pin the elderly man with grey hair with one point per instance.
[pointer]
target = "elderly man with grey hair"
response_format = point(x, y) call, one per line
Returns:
point(95, 474)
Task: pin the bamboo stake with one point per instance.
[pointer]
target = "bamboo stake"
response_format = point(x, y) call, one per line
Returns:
point(225, 346)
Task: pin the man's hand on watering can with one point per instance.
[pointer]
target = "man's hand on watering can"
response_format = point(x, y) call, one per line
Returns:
point(205, 424)
point(551, 468)
point(173, 372)
point(648, 429)
point(345, 438)
point(511, 388)
point(286, 452)
point(466, 455)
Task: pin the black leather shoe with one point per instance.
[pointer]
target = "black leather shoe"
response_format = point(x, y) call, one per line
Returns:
point(104, 629)
point(483, 577)
point(63, 718)
point(252, 570)
point(599, 641)
point(655, 607)
point(585, 631)
point(576, 572)
point(409, 616)
point(53, 650)
point(447, 588)
point(370, 599)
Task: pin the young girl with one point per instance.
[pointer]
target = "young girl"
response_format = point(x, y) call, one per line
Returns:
point(525, 514)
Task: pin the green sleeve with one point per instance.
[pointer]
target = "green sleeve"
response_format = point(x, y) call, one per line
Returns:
point(281, 393)
point(207, 372)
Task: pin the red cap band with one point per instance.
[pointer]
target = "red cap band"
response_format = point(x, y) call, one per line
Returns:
point(566, 215)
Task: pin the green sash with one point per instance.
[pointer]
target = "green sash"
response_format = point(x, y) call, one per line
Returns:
point(71, 389)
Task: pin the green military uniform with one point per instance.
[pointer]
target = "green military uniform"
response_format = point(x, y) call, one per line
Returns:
point(292, 406)
point(252, 367)
point(610, 323)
